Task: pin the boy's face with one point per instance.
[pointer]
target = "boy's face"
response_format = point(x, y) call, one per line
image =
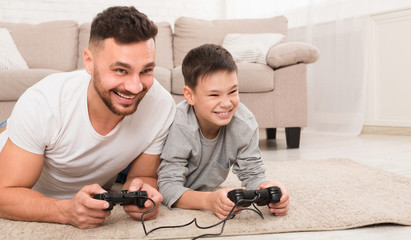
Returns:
point(215, 100)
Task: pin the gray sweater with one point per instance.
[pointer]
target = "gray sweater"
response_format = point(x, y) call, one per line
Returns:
point(191, 162)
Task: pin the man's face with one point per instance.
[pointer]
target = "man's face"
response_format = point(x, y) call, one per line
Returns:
point(122, 74)
point(215, 100)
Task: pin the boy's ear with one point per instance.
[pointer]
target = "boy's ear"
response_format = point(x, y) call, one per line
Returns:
point(188, 94)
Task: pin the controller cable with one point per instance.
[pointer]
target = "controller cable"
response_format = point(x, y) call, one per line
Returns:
point(230, 216)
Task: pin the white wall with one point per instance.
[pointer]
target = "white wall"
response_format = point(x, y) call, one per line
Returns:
point(389, 81)
point(389, 101)
point(36, 11)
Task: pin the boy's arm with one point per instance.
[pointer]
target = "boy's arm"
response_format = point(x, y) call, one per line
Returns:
point(216, 202)
point(249, 166)
point(19, 171)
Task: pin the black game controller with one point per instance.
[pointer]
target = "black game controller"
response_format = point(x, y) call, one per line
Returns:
point(125, 198)
point(262, 196)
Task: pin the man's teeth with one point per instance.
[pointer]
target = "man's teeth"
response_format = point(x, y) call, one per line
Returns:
point(124, 96)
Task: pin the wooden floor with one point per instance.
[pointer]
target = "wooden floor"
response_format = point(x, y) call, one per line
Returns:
point(389, 152)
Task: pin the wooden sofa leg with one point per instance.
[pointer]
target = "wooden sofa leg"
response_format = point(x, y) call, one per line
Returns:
point(292, 135)
point(271, 133)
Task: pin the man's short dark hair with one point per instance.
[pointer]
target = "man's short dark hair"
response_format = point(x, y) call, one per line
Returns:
point(205, 60)
point(124, 24)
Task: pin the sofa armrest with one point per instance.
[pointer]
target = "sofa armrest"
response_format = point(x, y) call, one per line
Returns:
point(289, 53)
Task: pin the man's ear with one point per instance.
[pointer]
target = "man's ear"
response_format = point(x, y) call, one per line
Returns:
point(188, 94)
point(88, 60)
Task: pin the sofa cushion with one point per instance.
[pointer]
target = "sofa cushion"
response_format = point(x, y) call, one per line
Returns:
point(163, 76)
point(252, 78)
point(190, 32)
point(14, 82)
point(49, 45)
point(251, 47)
point(83, 37)
point(164, 44)
point(290, 53)
point(10, 57)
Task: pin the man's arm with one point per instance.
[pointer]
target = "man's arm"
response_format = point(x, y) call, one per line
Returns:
point(143, 176)
point(19, 171)
point(145, 168)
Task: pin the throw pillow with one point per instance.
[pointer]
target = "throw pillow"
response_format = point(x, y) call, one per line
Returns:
point(10, 57)
point(252, 48)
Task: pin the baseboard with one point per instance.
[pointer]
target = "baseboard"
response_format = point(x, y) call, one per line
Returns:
point(384, 130)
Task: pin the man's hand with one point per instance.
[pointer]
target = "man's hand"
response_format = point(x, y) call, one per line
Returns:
point(136, 212)
point(280, 208)
point(86, 212)
point(220, 204)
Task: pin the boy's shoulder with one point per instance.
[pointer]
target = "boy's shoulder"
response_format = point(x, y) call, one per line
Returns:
point(244, 116)
point(185, 115)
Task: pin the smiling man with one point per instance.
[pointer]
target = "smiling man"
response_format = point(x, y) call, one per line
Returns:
point(72, 133)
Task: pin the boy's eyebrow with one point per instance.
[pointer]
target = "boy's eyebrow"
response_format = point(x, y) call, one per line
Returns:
point(215, 90)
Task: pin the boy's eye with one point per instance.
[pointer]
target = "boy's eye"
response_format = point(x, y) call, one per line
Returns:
point(213, 95)
point(234, 91)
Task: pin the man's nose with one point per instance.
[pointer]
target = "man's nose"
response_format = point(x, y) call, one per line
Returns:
point(133, 84)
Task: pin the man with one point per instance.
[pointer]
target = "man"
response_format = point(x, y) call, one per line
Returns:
point(71, 133)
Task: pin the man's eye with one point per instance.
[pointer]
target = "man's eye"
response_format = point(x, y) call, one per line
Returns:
point(148, 70)
point(122, 71)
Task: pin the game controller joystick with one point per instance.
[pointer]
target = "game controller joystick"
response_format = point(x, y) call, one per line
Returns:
point(125, 198)
point(262, 196)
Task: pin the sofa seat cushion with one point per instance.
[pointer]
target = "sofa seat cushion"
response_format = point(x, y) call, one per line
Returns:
point(14, 82)
point(163, 76)
point(48, 45)
point(252, 78)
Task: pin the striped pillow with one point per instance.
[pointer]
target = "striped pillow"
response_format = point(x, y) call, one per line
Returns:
point(10, 57)
point(252, 48)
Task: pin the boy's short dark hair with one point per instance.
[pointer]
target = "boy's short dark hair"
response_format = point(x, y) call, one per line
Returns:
point(124, 24)
point(205, 60)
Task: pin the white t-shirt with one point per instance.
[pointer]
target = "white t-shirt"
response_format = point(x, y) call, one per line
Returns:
point(51, 118)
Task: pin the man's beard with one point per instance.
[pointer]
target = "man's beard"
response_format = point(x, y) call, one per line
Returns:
point(105, 96)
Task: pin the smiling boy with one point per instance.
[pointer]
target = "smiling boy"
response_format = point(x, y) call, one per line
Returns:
point(211, 132)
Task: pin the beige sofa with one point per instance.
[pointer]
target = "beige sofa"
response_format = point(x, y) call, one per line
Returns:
point(275, 92)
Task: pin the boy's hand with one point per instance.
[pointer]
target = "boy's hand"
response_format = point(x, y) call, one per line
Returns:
point(136, 212)
point(280, 208)
point(220, 204)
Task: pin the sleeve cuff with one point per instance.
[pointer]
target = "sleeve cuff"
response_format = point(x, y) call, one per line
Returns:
point(171, 194)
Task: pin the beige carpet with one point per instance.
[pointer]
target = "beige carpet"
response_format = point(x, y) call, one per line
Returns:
point(328, 194)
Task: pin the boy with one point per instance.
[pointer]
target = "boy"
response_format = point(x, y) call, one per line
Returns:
point(211, 132)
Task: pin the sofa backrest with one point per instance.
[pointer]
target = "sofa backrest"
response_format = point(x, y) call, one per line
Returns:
point(164, 42)
point(190, 32)
point(50, 45)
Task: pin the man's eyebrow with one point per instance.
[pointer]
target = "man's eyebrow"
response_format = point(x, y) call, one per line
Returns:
point(151, 64)
point(121, 64)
